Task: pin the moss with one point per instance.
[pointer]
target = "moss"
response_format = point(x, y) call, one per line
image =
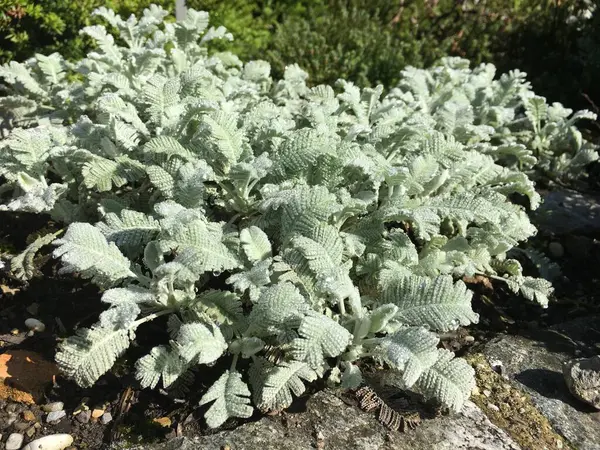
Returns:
point(511, 409)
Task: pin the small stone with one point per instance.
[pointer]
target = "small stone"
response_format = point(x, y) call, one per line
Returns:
point(475, 391)
point(556, 249)
point(97, 413)
point(30, 432)
point(33, 309)
point(15, 441)
point(487, 392)
point(52, 442)
point(497, 366)
point(84, 416)
point(35, 325)
point(493, 407)
point(53, 407)
point(106, 418)
point(20, 426)
point(12, 407)
point(583, 379)
point(12, 418)
point(37, 425)
point(55, 416)
point(14, 331)
point(163, 421)
point(28, 416)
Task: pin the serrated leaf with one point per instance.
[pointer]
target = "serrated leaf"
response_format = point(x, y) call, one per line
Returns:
point(282, 381)
point(255, 243)
point(89, 354)
point(450, 380)
point(85, 250)
point(320, 338)
point(231, 398)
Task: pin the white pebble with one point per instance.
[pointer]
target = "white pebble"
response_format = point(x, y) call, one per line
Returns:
point(52, 442)
point(493, 407)
point(106, 418)
point(54, 406)
point(55, 416)
point(35, 325)
point(14, 442)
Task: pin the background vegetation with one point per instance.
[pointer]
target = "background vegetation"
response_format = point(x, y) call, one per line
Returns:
point(368, 41)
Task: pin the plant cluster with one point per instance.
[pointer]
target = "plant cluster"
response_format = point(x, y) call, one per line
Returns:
point(284, 231)
point(364, 41)
point(46, 26)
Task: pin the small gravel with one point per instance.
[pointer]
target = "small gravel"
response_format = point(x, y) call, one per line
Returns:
point(53, 407)
point(12, 418)
point(106, 418)
point(20, 426)
point(12, 408)
point(84, 416)
point(493, 407)
point(55, 416)
point(15, 441)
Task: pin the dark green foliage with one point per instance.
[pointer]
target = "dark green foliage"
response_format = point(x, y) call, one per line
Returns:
point(366, 41)
point(558, 47)
point(46, 26)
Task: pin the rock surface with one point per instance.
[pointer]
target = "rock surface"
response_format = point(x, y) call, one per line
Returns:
point(565, 211)
point(338, 426)
point(583, 379)
point(536, 364)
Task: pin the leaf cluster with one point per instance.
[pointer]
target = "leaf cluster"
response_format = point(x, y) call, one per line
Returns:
point(261, 216)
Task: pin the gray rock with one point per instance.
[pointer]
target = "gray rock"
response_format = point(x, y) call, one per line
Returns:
point(55, 416)
point(12, 418)
point(15, 441)
point(536, 365)
point(84, 416)
point(12, 407)
point(345, 427)
point(106, 418)
point(565, 211)
point(53, 407)
point(583, 379)
point(20, 426)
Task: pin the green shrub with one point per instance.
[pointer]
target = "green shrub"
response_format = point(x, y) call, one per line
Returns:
point(366, 41)
point(47, 26)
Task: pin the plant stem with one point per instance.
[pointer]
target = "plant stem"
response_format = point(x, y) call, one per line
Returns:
point(150, 317)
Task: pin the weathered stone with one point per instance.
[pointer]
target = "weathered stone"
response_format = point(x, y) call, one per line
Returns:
point(52, 442)
point(54, 406)
point(566, 211)
point(583, 379)
point(26, 375)
point(55, 416)
point(536, 364)
point(15, 441)
point(344, 427)
point(84, 416)
point(106, 418)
